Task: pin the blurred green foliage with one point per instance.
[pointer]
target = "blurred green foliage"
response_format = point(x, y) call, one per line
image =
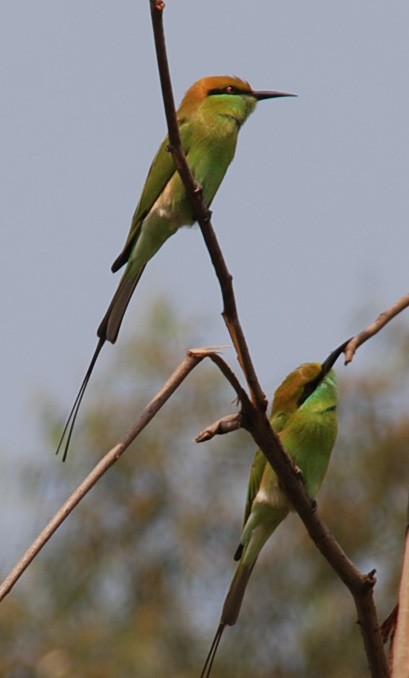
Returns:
point(133, 583)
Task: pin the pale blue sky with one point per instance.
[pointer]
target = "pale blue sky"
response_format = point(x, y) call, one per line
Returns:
point(312, 215)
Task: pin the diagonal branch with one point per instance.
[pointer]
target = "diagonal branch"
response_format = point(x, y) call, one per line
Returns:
point(202, 213)
point(372, 329)
point(192, 359)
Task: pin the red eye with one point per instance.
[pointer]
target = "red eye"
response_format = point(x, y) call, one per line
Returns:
point(230, 89)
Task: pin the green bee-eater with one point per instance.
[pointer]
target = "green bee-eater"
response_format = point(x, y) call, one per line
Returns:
point(210, 117)
point(304, 416)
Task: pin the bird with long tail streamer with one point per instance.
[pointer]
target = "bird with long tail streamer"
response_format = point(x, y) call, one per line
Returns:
point(209, 118)
point(304, 414)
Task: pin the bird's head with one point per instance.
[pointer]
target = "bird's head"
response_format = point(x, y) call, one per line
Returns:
point(301, 384)
point(224, 93)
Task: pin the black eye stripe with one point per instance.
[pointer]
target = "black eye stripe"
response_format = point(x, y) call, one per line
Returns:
point(229, 89)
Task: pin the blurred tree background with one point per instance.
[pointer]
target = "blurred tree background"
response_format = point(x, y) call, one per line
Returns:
point(133, 583)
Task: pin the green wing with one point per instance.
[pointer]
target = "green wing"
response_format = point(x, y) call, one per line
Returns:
point(278, 422)
point(160, 173)
point(256, 473)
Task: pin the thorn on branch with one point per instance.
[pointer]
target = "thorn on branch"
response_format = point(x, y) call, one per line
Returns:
point(370, 579)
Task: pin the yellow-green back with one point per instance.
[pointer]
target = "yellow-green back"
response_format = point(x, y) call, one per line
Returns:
point(209, 117)
point(307, 427)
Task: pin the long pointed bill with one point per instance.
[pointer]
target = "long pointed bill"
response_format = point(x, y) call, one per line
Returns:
point(332, 358)
point(271, 95)
point(325, 368)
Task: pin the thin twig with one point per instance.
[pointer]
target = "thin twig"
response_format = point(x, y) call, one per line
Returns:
point(232, 379)
point(380, 322)
point(193, 358)
point(227, 424)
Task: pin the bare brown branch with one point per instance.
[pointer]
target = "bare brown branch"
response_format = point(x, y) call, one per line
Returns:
point(229, 423)
point(380, 322)
point(193, 358)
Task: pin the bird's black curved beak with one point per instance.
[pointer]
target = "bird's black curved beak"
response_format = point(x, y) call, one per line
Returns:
point(271, 95)
point(332, 358)
point(325, 368)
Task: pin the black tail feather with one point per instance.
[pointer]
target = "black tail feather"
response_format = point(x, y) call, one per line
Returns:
point(111, 322)
point(212, 652)
point(239, 552)
point(70, 423)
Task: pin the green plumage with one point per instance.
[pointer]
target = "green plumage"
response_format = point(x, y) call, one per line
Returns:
point(209, 138)
point(209, 117)
point(304, 415)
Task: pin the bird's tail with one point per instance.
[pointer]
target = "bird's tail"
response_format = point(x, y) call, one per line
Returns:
point(230, 612)
point(107, 331)
point(235, 594)
point(70, 423)
point(212, 652)
point(111, 322)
